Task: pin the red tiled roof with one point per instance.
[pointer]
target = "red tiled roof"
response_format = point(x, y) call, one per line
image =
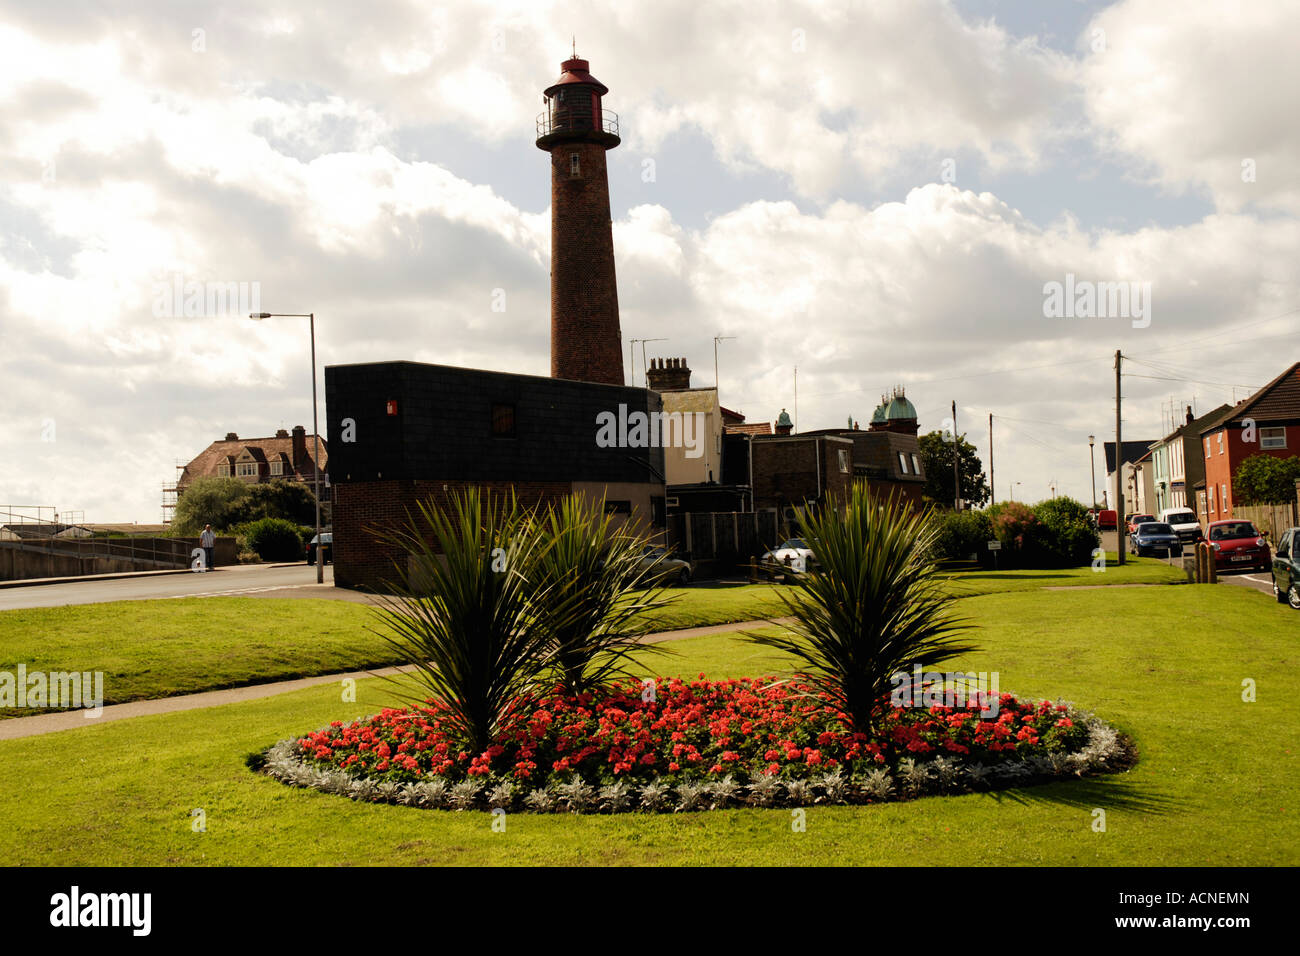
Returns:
point(757, 428)
point(1279, 400)
point(261, 449)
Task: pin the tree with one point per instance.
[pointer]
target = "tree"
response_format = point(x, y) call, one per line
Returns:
point(215, 501)
point(1266, 480)
point(290, 500)
point(936, 458)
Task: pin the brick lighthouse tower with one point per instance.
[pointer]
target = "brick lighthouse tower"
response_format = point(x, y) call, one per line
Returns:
point(586, 342)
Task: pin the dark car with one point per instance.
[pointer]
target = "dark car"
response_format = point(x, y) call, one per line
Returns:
point(1286, 569)
point(1155, 537)
point(1237, 544)
point(327, 548)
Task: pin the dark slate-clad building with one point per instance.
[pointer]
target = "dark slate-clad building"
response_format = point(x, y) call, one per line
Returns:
point(405, 432)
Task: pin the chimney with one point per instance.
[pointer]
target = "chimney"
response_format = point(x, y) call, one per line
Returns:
point(231, 436)
point(669, 375)
point(299, 449)
point(1189, 415)
point(281, 433)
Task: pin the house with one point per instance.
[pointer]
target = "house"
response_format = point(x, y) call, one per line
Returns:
point(1267, 422)
point(255, 460)
point(1177, 464)
point(1137, 475)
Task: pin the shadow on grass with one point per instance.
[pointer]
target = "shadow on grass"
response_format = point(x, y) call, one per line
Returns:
point(1108, 792)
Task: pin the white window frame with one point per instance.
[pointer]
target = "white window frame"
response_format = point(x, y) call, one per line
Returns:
point(223, 470)
point(277, 468)
point(1207, 448)
point(245, 469)
point(1220, 442)
point(844, 461)
point(916, 465)
point(902, 461)
point(1271, 441)
point(1209, 499)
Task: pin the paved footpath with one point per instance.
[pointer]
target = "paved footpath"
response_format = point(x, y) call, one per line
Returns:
point(17, 727)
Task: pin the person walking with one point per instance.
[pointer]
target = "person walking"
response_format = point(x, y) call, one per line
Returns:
point(208, 542)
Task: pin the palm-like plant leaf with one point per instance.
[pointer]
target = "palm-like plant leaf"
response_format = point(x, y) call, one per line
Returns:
point(873, 607)
point(590, 589)
point(460, 612)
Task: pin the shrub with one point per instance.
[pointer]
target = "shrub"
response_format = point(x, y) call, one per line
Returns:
point(875, 607)
point(1065, 533)
point(274, 539)
point(959, 534)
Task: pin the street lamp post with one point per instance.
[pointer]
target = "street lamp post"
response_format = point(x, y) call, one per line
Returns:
point(315, 427)
point(1092, 468)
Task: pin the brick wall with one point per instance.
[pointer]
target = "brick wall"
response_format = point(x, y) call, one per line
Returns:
point(364, 509)
point(586, 341)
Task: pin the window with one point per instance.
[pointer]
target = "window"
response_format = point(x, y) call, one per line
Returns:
point(1223, 498)
point(246, 469)
point(1211, 498)
point(503, 420)
point(902, 463)
point(916, 465)
point(277, 467)
point(1272, 438)
point(1207, 448)
point(618, 507)
point(575, 166)
point(223, 470)
point(1220, 443)
point(845, 467)
point(1284, 546)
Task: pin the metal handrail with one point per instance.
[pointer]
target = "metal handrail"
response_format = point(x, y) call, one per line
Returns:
point(570, 119)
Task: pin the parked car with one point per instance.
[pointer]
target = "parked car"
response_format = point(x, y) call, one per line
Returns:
point(1107, 519)
point(665, 568)
point(1184, 523)
point(1286, 569)
point(1154, 537)
point(1237, 544)
point(327, 548)
point(1135, 519)
point(794, 553)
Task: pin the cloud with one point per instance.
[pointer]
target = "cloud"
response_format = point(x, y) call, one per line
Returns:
point(1201, 96)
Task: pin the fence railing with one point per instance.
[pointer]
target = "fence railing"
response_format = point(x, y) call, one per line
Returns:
point(1273, 519)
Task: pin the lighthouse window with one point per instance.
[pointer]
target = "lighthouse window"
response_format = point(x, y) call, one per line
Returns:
point(575, 170)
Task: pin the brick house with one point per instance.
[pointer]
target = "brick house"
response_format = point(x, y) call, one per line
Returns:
point(255, 460)
point(1266, 423)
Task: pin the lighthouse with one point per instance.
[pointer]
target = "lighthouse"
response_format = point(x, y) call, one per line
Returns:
point(586, 342)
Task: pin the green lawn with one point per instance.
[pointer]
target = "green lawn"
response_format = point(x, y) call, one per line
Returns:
point(152, 649)
point(1213, 787)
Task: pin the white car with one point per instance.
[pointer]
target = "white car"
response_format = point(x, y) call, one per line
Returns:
point(793, 553)
point(1183, 522)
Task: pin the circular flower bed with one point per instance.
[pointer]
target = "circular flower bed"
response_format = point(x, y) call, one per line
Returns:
point(679, 745)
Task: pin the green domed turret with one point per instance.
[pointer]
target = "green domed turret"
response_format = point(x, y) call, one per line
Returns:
point(900, 408)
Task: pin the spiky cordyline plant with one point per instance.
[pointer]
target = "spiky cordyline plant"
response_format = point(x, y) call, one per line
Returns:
point(873, 607)
point(590, 588)
point(460, 612)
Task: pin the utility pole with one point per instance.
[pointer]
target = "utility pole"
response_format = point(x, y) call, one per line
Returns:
point(993, 488)
point(1092, 471)
point(796, 399)
point(1119, 464)
point(716, 340)
point(956, 472)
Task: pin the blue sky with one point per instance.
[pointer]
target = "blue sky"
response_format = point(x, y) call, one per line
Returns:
point(876, 193)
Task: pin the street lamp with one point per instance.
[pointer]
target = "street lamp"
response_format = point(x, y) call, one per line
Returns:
point(716, 340)
point(1092, 468)
point(315, 465)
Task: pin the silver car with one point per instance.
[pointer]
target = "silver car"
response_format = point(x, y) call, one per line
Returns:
point(666, 568)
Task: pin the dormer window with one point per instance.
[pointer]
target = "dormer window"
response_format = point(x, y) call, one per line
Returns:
point(277, 467)
point(246, 469)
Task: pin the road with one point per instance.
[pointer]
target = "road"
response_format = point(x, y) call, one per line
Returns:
point(1256, 580)
point(253, 580)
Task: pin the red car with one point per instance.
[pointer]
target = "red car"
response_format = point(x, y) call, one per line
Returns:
point(1136, 520)
point(1237, 544)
